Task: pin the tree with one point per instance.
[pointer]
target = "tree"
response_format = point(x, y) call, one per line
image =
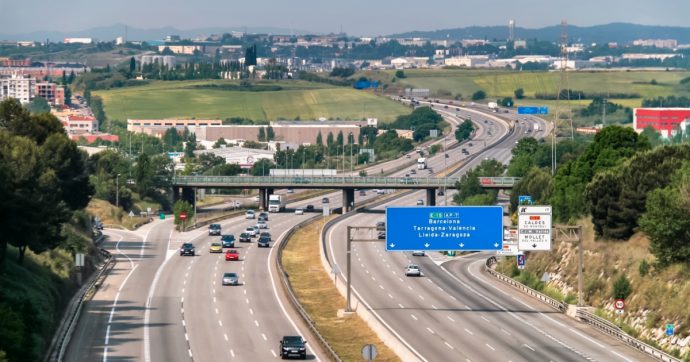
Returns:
point(519, 93)
point(220, 143)
point(64, 77)
point(190, 147)
point(506, 102)
point(132, 66)
point(262, 167)
point(39, 105)
point(319, 139)
point(182, 206)
point(478, 95)
point(262, 134)
point(270, 134)
point(68, 95)
point(536, 183)
point(329, 139)
point(464, 131)
point(622, 288)
point(71, 77)
point(400, 74)
point(339, 139)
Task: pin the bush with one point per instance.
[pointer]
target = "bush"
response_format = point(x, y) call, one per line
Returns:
point(478, 95)
point(622, 288)
point(400, 74)
point(644, 268)
point(519, 93)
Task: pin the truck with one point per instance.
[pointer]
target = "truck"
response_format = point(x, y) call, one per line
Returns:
point(421, 163)
point(276, 203)
point(493, 106)
point(536, 127)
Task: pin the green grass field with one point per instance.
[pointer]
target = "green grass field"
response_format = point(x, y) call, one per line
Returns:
point(308, 101)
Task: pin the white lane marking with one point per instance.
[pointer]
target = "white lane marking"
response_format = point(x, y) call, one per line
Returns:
point(381, 286)
point(107, 338)
point(430, 330)
point(433, 306)
point(184, 324)
point(488, 345)
point(232, 353)
point(413, 317)
point(401, 306)
point(275, 293)
point(484, 318)
point(220, 323)
point(214, 299)
point(504, 331)
point(390, 296)
point(147, 312)
point(256, 322)
point(469, 332)
point(217, 311)
point(247, 300)
point(420, 297)
point(190, 352)
point(275, 355)
point(451, 319)
point(105, 354)
point(181, 310)
point(448, 345)
point(532, 349)
point(186, 337)
point(251, 311)
point(226, 336)
point(264, 337)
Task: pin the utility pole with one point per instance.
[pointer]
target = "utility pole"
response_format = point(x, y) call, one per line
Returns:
point(603, 119)
point(350, 240)
point(117, 190)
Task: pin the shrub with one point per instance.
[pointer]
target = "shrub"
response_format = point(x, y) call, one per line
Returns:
point(622, 288)
point(644, 268)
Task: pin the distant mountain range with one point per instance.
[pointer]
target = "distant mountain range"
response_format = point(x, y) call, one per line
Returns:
point(614, 32)
point(108, 33)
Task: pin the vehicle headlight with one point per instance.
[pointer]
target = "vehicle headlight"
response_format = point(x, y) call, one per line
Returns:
point(301, 348)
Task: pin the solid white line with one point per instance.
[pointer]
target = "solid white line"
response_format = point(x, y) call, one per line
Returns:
point(107, 337)
point(532, 349)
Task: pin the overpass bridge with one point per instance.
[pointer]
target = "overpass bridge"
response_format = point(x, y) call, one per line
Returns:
point(183, 186)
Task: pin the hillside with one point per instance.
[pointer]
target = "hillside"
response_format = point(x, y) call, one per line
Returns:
point(659, 296)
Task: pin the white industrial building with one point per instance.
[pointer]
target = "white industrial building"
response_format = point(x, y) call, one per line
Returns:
point(245, 157)
point(167, 60)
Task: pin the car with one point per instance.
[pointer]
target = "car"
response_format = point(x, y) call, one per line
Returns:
point(216, 247)
point(380, 192)
point(430, 169)
point(362, 193)
point(310, 208)
point(293, 346)
point(413, 171)
point(408, 156)
point(245, 238)
point(261, 225)
point(265, 234)
point(381, 235)
point(299, 211)
point(457, 109)
point(251, 231)
point(381, 226)
point(250, 214)
point(290, 191)
point(263, 215)
point(263, 242)
point(325, 200)
point(231, 279)
point(232, 254)
point(407, 175)
point(418, 253)
point(228, 241)
point(420, 202)
point(485, 121)
point(470, 144)
point(262, 219)
point(446, 106)
point(412, 270)
point(440, 193)
point(214, 229)
point(187, 249)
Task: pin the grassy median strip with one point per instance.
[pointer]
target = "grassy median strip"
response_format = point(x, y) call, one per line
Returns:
point(317, 294)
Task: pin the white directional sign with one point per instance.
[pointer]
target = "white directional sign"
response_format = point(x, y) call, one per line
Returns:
point(510, 244)
point(534, 228)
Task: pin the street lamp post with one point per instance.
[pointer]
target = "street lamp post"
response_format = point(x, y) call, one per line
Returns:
point(117, 190)
point(351, 139)
point(445, 168)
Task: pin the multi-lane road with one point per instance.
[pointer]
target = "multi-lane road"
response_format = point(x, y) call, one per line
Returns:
point(157, 305)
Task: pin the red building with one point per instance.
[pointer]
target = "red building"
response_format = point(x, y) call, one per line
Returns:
point(666, 121)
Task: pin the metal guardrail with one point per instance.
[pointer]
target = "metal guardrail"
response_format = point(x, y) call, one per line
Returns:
point(613, 330)
point(63, 335)
point(584, 316)
point(291, 293)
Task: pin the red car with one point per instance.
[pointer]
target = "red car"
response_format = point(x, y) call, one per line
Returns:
point(232, 255)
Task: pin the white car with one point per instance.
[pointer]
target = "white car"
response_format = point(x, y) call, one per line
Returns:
point(380, 192)
point(251, 230)
point(261, 225)
point(420, 202)
point(412, 270)
point(250, 214)
point(418, 253)
point(299, 211)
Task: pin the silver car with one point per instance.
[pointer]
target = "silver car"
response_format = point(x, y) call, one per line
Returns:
point(250, 214)
point(412, 270)
point(231, 279)
point(251, 230)
point(262, 225)
point(418, 253)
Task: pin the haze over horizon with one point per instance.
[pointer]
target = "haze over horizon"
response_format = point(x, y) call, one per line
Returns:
point(356, 17)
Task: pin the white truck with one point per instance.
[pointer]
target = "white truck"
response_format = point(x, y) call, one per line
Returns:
point(421, 163)
point(493, 106)
point(536, 127)
point(276, 203)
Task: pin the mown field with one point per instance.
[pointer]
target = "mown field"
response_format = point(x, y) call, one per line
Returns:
point(297, 99)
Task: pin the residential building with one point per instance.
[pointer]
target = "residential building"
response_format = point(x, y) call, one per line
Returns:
point(52, 93)
point(21, 87)
point(473, 42)
point(168, 60)
point(8, 62)
point(79, 125)
point(181, 49)
point(91, 138)
point(666, 121)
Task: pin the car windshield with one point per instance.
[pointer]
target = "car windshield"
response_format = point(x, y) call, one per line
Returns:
point(232, 251)
point(214, 226)
point(292, 340)
point(413, 267)
point(187, 245)
point(215, 244)
point(228, 237)
point(230, 275)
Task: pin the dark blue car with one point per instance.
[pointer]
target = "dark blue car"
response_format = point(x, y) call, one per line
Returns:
point(228, 241)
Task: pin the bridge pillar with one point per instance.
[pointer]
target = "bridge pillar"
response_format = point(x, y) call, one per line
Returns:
point(263, 198)
point(188, 195)
point(431, 197)
point(176, 193)
point(348, 200)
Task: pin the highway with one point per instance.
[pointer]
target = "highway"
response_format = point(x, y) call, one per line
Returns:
point(455, 312)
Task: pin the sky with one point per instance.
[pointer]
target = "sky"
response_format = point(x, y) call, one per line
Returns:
point(357, 17)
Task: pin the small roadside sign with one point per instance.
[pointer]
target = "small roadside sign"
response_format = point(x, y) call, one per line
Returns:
point(369, 352)
point(521, 261)
point(669, 329)
point(79, 259)
point(525, 200)
point(510, 244)
point(131, 213)
point(183, 216)
point(162, 216)
point(619, 306)
point(534, 228)
point(326, 210)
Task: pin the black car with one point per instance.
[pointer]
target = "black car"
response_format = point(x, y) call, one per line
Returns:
point(187, 249)
point(325, 200)
point(381, 226)
point(214, 229)
point(245, 238)
point(293, 346)
point(265, 234)
point(263, 215)
point(263, 242)
point(310, 208)
point(228, 241)
point(382, 235)
point(440, 193)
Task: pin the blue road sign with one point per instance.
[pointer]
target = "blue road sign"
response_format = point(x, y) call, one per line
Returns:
point(524, 199)
point(533, 110)
point(521, 261)
point(669, 329)
point(441, 228)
